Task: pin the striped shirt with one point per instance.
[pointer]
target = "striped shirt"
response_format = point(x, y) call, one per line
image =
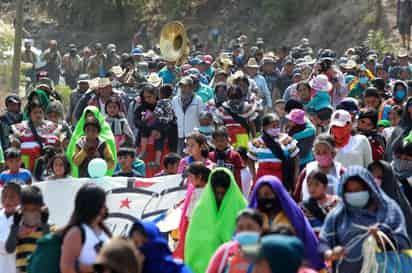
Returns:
point(26, 245)
point(258, 151)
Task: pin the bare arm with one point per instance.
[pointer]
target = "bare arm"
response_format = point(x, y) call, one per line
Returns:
point(71, 248)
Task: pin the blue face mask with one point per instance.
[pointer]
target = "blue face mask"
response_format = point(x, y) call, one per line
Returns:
point(400, 95)
point(207, 130)
point(357, 199)
point(245, 238)
point(363, 80)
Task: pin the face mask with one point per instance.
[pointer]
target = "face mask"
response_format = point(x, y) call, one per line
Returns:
point(324, 160)
point(400, 95)
point(207, 130)
point(267, 204)
point(32, 219)
point(341, 135)
point(357, 199)
point(273, 131)
point(363, 80)
point(402, 166)
point(378, 181)
point(247, 238)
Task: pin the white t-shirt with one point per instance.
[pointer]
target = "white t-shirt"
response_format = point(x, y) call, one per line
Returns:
point(246, 178)
point(7, 261)
point(357, 152)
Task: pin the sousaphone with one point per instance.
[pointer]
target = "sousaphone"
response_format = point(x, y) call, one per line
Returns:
point(174, 43)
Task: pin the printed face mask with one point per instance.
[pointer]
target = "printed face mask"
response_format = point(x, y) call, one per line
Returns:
point(357, 199)
point(400, 95)
point(363, 80)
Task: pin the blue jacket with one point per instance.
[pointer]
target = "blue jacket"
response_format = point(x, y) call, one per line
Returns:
point(340, 227)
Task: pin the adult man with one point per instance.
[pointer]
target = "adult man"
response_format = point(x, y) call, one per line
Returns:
point(53, 61)
point(28, 56)
point(113, 58)
point(200, 89)
point(87, 54)
point(98, 63)
point(83, 87)
point(252, 71)
point(11, 116)
point(99, 97)
point(187, 107)
point(71, 66)
point(168, 73)
point(271, 75)
point(286, 75)
point(404, 21)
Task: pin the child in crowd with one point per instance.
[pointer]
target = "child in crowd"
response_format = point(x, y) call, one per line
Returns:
point(395, 115)
point(170, 163)
point(14, 173)
point(10, 200)
point(198, 175)
point(28, 227)
point(279, 109)
point(245, 174)
point(225, 156)
point(127, 158)
point(54, 112)
point(321, 87)
point(320, 203)
point(206, 127)
point(165, 127)
point(90, 146)
point(118, 123)
point(60, 167)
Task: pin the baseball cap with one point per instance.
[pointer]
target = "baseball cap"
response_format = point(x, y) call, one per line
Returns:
point(340, 118)
point(348, 104)
point(12, 99)
point(83, 78)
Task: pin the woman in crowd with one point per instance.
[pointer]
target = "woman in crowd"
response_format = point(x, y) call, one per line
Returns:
point(197, 150)
point(275, 153)
point(402, 166)
point(157, 256)
point(105, 134)
point(324, 149)
point(33, 134)
point(277, 207)
point(85, 233)
point(386, 180)
point(228, 257)
point(214, 219)
point(365, 210)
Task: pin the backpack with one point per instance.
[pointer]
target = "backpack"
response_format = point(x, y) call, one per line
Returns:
point(46, 257)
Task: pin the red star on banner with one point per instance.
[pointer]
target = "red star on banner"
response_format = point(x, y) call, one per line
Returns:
point(125, 203)
point(142, 184)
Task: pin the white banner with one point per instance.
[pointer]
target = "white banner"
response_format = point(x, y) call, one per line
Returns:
point(128, 199)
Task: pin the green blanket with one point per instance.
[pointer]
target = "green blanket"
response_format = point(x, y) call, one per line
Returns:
point(105, 135)
point(209, 227)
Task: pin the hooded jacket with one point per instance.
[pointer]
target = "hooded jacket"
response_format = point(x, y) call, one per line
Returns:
point(340, 227)
point(390, 185)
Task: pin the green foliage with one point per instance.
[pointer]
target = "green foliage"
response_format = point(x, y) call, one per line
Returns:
point(6, 45)
point(376, 40)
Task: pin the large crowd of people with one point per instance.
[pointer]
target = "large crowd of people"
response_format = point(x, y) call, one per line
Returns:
point(294, 158)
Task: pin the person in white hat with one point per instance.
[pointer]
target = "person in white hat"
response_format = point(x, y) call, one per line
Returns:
point(252, 69)
point(322, 86)
point(351, 149)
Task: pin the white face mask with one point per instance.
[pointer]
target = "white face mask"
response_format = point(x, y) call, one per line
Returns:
point(409, 179)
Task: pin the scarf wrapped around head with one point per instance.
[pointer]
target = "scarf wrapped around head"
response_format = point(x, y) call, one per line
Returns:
point(210, 227)
point(158, 257)
point(105, 135)
point(42, 99)
point(296, 217)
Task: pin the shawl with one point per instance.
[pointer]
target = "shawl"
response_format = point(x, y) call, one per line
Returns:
point(210, 227)
point(105, 135)
point(296, 217)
